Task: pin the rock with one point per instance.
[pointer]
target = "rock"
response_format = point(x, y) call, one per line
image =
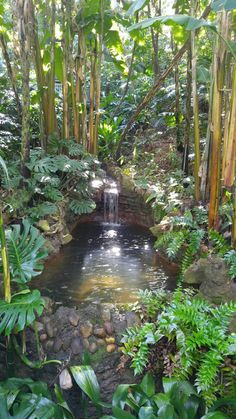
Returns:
point(212, 275)
point(101, 342)
point(39, 326)
point(99, 332)
point(86, 343)
point(66, 343)
point(43, 337)
point(108, 326)
point(106, 314)
point(45, 319)
point(93, 348)
point(43, 225)
point(49, 345)
point(86, 329)
point(76, 346)
point(110, 340)
point(111, 348)
point(119, 326)
point(66, 238)
point(165, 225)
point(49, 329)
point(132, 319)
point(57, 344)
point(232, 325)
point(65, 380)
point(48, 305)
point(74, 319)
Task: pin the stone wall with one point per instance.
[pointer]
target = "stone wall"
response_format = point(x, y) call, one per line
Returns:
point(133, 208)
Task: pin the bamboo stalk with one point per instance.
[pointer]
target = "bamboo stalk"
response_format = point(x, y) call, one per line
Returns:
point(216, 122)
point(5, 262)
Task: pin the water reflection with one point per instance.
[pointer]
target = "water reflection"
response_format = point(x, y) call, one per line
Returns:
point(105, 264)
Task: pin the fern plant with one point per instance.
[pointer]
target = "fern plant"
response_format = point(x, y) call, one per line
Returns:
point(200, 333)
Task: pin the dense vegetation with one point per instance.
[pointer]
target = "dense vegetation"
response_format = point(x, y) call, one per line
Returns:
point(149, 86)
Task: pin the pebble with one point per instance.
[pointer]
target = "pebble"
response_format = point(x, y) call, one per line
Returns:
point(99, 332)
point(49, 345)
point(93, 348)
point(111, 348)
point(86, 329)
point(76, 346)
point(110, 340)
point(49, 330)
point(108, 326)
point(57, 345)
point(43, 337)
point(74, 319)
point(86, 343)
point(101, 342)
point(65, 380)
point(106, 314)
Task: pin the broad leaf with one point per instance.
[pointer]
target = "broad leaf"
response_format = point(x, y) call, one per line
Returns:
point(148, 385)
point(86, 379)
point(25, 251)
point(190, 23)
point(122, 414)
point(146, 413)
point(218, 5)
point(20, 312)
point(136, 6)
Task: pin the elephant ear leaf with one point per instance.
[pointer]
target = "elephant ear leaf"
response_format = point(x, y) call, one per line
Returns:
point(25, 251)
point(20, 312)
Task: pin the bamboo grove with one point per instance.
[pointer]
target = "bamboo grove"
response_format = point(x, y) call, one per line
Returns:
point(69, 41)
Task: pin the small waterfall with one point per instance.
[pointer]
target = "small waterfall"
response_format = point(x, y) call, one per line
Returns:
point(111, 200)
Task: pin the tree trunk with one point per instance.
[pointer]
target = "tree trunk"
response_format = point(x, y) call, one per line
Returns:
point(10, 72)
point(188, 113)
point(23, 17)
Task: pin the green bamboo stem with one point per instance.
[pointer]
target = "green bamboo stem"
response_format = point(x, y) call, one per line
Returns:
point(5, 263)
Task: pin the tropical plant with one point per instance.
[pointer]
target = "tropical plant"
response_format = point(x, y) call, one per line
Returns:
point(25, 398)
point(200, 340)
point(179, 399)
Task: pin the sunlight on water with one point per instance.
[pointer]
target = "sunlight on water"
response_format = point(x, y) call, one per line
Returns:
point(105, 264)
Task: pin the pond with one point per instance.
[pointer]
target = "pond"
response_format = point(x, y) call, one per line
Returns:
point(105, 263)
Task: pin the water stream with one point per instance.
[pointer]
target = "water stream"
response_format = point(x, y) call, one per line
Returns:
point(105, 263)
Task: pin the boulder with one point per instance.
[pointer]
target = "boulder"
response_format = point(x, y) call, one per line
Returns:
point(213, 277)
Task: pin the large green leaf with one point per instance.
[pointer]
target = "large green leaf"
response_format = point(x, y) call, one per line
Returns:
point(190, 23)
point(20, 312)
point(86, 379)
point(25, 251)
point(136, 6)
point(148, 385)
point(218, 5)
point(28, 399)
